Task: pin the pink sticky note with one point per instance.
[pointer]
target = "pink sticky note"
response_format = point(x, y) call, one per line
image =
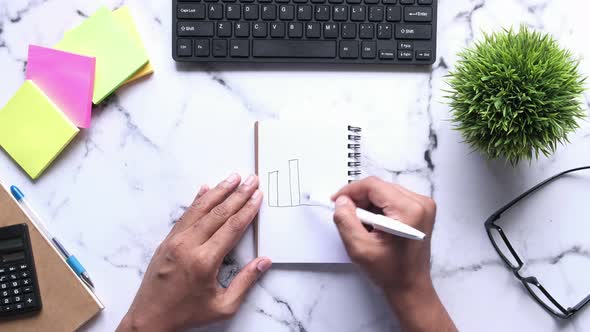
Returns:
point(66, 78)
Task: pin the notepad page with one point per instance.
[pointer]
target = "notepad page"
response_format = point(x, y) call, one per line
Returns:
point(294, 158)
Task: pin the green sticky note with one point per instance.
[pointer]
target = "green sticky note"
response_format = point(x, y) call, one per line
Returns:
point(33, 131)
point(118, 54)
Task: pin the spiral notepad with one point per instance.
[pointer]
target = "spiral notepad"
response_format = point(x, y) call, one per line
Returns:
point(295, 158)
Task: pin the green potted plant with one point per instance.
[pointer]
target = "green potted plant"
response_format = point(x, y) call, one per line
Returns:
point(516, 95)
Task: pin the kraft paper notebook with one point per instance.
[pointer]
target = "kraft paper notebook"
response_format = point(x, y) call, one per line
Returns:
point(67, 302)
point(296, 158)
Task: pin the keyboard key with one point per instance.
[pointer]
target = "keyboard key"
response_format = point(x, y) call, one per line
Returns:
point(191, 11)
point(277, 30)
point(407, 2)
point(195, 29)
point(418, 14)
point(322, 13)
point(375, 13)
point(353, 2)
point(404, 55)
point(259, 29)
point(251, 12)
point(304, 13)
point(384, 31)
point(405, 45)
point(413, 31)
point(389, 2)
point(201, 50)
point(371, 2)
point(340, 13)
point(349, 49)
point(386, 55)
point(294, 48)
point(330, 30)
point(425, 2)
point(224, 29)
point(295, 30)
point(233, 12)
point(239, 48)
point(368, 50)
point(219, 47)
point(348, 30)
point(287, 12)
point(242, 29)
point(312, 30)
point(423, 55)
point(269, 12)
point(393, 14)
point(215, 11)
point(358, 13)
point(367, 31)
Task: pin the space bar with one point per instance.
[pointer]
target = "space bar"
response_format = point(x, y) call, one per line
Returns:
point(294, 49)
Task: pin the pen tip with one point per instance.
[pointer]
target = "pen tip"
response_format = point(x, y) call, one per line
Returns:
point(16, 193)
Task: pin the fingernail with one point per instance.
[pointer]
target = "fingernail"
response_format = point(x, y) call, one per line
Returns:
point(263, 265)
point(203, 189)
point(232, 179)
point(256, 195)
point(250, 180)
point(342, 200)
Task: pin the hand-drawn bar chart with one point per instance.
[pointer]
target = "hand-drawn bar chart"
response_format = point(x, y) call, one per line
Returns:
point(294, 193)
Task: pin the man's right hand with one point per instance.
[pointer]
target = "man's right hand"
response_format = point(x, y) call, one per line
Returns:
point(401, 267)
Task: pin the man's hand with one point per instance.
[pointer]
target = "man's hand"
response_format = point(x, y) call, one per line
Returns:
point(180, 287)
point(401, 267)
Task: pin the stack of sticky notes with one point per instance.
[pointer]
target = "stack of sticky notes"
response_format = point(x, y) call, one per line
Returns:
point(91, 62)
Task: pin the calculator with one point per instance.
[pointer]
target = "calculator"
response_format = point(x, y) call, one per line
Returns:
point(19, 290)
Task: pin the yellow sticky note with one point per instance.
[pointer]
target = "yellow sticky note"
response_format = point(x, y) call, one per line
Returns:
point(123, 16)
point(33, 131)
point(118, 55)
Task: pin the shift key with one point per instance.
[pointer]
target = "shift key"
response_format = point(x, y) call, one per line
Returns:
point(197, 29)
point(413, 31)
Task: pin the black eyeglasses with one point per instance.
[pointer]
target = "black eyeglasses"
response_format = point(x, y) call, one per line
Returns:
point(515, 263)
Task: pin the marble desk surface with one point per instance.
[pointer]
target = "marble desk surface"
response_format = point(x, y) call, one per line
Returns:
point(113, 194)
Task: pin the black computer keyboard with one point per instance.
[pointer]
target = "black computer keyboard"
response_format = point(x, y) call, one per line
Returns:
point(310, 31)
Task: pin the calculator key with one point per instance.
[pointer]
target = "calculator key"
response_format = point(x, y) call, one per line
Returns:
point(16, 283)
point(28, 289)
point(2, 270)
point(4, 293)
point(13, 276)
point(3, 278)
point(23, 266)
point(12, 269)
point(18, 298)
point(3, 286)
point(17, 291)
point(19, 306)
point(29, 300)
point(6, 300)
point(7, 308)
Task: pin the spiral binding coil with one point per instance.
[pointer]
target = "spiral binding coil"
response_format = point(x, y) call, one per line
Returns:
point(354, 153)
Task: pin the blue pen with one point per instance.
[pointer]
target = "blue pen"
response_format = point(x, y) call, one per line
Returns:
point(70, 259)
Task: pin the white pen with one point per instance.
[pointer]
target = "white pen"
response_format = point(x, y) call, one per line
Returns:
point(380, 222)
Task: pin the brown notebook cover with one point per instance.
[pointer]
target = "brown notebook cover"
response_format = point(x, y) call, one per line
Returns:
point(67, 302)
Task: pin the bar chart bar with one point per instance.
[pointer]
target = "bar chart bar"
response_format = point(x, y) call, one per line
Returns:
point(294, 185)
